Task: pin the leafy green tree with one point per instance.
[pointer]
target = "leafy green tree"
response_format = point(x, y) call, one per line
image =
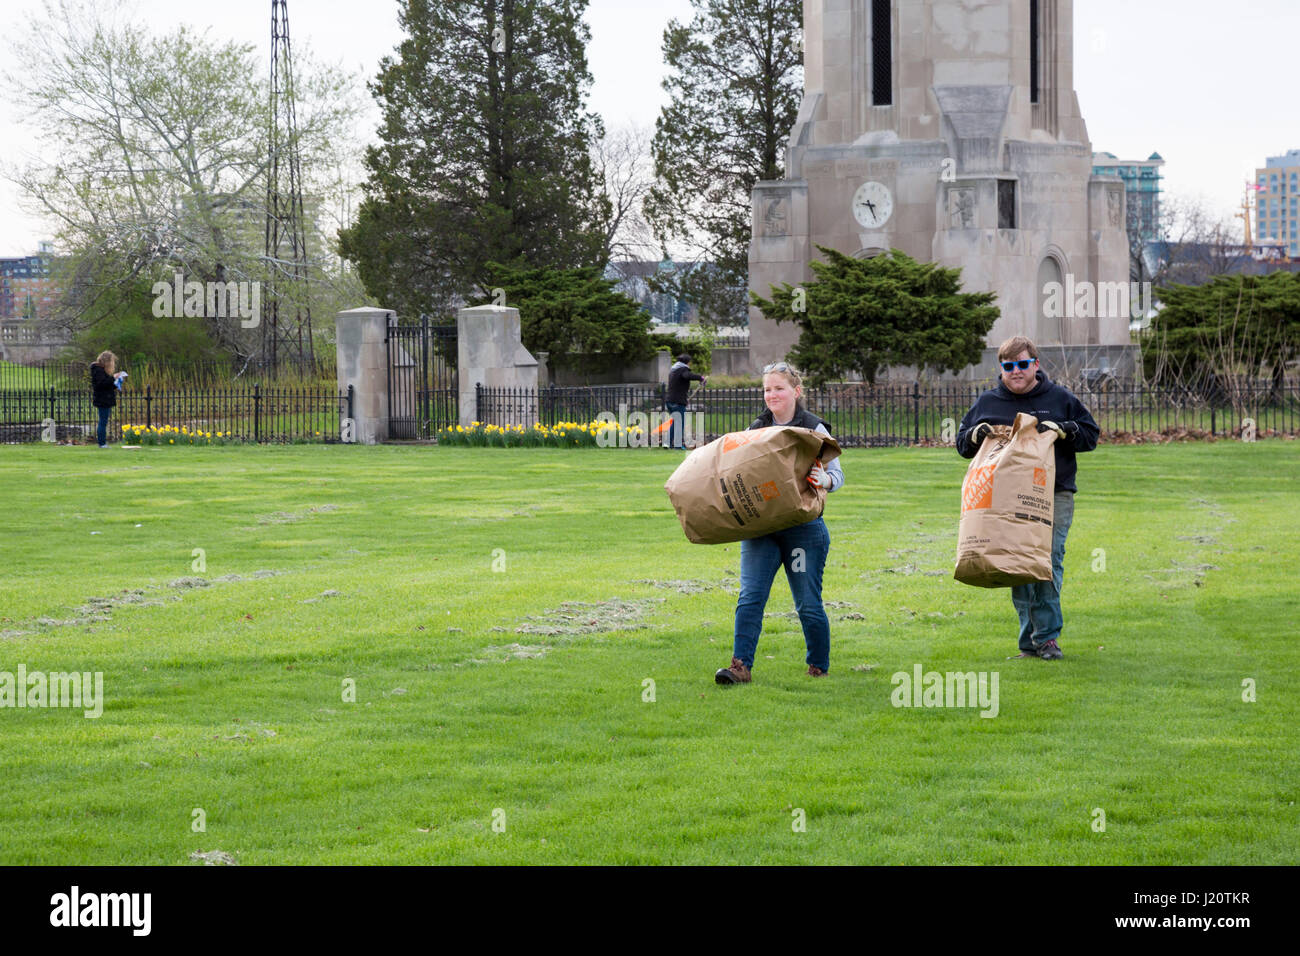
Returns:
point(484, 153)
point(576, 315)
point(864, 315)
point(735, 81)
point(1215, 337)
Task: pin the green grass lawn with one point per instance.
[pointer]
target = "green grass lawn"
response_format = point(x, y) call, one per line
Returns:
point(490, 725)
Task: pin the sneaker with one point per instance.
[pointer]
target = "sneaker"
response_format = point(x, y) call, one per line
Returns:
point(815, 671)
point(737, 673)
point(1049, 651)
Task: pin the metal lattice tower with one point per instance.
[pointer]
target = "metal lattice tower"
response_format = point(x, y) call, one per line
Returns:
point(286, 312)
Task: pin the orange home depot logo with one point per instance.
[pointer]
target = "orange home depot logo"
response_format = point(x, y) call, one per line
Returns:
point(769, 490)
point(734, 441)
point(1040, 477)
point(977, 489)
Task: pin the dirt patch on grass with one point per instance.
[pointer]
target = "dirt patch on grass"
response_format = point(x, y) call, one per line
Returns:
point(926, 550)
point(510, 652)
point(286, 517)
point(599, 617)
point(681, 587)
point(1192, 570)
point(99, 610)
point(255, 576)
point(214, 858)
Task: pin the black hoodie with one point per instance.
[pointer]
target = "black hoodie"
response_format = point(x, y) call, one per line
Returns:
point(680, 377)
point(105, 392)
point(1047, 402)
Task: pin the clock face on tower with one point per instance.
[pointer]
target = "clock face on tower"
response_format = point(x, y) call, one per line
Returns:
point(872, 205)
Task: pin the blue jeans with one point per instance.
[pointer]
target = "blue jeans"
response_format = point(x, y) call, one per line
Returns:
point(101, 433)
point(1039, 604)
point(802, 551)
point(678, 413)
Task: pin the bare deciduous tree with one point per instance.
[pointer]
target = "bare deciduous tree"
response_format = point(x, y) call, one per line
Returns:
point(154, 156)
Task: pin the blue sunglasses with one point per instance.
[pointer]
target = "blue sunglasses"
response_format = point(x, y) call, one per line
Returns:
point(1022, 364)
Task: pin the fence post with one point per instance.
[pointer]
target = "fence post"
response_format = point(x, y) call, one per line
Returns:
point(916, 413)
point(478, 401)
point(148, 407)
point(1212, 421)
point(52, 410)
point(352, 392)
point(257, 412)
point(422, 386)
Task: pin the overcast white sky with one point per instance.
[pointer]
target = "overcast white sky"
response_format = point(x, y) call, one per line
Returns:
point(1209, 85)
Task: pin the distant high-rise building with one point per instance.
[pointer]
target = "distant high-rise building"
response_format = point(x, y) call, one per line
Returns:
point(1141, 190)
point(26, 291)
point(1277, 187)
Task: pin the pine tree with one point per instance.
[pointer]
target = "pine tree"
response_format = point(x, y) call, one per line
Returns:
point(1215, 338)
point(484, 152)
point(864, 315)
point(736, 82)
point(576, 316)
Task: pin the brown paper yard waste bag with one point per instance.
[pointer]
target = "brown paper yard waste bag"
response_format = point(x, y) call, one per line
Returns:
point(1005, 536)
point(751, 483)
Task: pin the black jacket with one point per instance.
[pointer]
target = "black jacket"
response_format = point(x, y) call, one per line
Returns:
point(105, 390)
point(1046, 401)
point(802, 419)
point(680, 377)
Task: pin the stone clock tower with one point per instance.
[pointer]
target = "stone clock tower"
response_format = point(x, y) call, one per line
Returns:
point(950, 129)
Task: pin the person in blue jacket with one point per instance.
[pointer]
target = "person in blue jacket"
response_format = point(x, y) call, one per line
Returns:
point(1024, 388)
point(801, 550)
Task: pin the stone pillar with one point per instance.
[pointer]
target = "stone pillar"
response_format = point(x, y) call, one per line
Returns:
point(491, 354)
point(778, 253)
point(363, 364)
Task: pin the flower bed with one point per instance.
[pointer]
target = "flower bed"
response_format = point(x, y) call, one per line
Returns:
point(560, 435)
point(171, 435)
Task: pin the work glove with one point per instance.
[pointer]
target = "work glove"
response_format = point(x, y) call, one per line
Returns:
point(819, 477)
point(1052, 426)
point(980, 432)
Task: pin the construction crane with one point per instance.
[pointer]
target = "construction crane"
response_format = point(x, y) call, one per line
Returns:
point(1251, 188)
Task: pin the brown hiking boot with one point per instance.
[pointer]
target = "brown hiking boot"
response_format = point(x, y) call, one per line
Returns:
point(815, 671)
point(737, 673)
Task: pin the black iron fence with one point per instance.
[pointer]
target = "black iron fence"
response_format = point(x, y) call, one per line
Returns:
point(62, 374)
point(250, 413)
point(861, 415)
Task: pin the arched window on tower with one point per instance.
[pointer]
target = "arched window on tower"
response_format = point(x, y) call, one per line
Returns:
point(1051, 302)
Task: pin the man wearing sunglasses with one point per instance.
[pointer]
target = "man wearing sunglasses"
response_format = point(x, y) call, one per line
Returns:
point(1024, 388)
